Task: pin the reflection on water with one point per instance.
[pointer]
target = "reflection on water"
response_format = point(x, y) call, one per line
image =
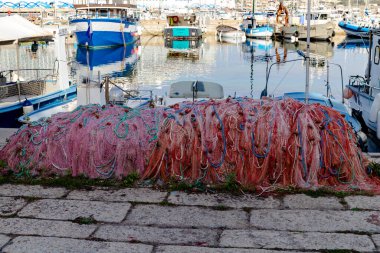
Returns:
point(114, 62)
point(239, 67)
point(350, 43)
point(184, 48)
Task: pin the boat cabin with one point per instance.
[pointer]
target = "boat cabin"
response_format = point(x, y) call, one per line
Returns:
point(181, 20)
point(122, 11)
point(363, 92)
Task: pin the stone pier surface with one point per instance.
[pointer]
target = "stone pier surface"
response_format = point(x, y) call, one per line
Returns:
point(54, 219)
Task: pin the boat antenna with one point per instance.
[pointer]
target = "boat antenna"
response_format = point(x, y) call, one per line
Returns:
point(307, 86)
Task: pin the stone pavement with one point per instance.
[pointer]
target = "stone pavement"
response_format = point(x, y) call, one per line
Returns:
point(38, 219)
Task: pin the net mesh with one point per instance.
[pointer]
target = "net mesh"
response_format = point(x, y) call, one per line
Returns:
point(265, 143)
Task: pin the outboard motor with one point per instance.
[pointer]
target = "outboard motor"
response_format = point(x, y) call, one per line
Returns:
point(27, 106)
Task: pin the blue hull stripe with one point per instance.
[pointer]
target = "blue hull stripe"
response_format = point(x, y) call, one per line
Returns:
point(104, 39)
point(10, 114)
point(353, 28)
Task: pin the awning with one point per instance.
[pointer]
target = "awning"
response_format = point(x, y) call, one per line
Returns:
point(15, 27)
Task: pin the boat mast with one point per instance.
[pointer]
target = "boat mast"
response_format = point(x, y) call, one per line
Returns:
point(253, 15)
point(308, 16)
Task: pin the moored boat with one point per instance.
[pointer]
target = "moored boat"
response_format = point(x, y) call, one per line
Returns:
point(182, 27)
point(25, 90)
point(354, 30)
point(253, 30)
point(228, 32)
point(107, 25)
point(363, 92)
point(321, 28)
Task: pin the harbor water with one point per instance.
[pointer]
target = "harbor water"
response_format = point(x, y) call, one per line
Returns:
point(240, 68)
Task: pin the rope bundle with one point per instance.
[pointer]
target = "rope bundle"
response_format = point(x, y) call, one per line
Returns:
point(265, 143)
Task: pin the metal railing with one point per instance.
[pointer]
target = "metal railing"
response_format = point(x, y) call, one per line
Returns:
point(25, 82)
point(129, 94)
point(362, 85)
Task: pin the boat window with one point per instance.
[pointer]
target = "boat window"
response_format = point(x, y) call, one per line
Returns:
point(103, 13)
point(323, 17)
point(377, 55)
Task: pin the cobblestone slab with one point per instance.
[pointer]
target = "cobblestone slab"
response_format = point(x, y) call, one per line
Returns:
point(72, 209)
point(19, 226)
point(182, 198)
point(190, 249)
point(3, 240)
point(376, 239)
point(128, 194)
point(31, 244)
point(9, 206)
point(314, 220)
point(302, 201)
point(295, 241)
point(363, 202)
point(5, 133)
point(31, 191)
point(204, 237)
point(186, 217)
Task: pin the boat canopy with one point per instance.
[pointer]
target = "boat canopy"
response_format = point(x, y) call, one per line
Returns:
point(15, 27)
point(198, 89)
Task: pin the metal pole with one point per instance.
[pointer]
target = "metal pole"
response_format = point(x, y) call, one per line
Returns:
point(307, 86)
point(18, 70)
point(328, 81)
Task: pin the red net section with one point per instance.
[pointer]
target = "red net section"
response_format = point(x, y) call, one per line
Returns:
point(265, 143)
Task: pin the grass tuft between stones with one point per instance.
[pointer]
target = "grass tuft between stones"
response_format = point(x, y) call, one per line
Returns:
point(85, 220)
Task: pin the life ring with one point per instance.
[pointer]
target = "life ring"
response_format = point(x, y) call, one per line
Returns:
point(175, 19)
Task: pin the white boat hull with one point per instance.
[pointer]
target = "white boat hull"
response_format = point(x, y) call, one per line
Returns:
point(320, 31)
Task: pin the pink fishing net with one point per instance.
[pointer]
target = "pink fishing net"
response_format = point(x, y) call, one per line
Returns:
point(265, 143)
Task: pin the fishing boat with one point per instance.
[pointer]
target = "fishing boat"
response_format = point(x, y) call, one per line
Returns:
point(92, 64)
point(363, 92)
point(226, 33)
point(253, 30)
point(182, 27)
point(105, 25)
point(25, 90)
point(353, 29)
point(321, 28)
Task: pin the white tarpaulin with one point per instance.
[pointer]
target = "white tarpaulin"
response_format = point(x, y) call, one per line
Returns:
point(15, 27)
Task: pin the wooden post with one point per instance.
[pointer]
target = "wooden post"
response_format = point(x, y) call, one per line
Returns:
point(107, 92)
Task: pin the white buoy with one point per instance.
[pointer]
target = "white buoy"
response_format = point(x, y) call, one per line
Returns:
point(27, 107)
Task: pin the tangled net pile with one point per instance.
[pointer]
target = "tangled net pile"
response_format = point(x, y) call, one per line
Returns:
point(265, 143)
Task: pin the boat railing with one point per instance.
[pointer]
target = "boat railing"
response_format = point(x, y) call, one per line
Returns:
point(25, 82)
point(26, 74)
point(139, 95)
point(131, 17)
point(362, 85)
